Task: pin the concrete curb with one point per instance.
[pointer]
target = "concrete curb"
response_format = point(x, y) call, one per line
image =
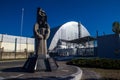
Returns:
point(1, 78)
point(77, 75)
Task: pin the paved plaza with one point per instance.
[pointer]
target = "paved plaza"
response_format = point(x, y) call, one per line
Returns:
point(13, 71)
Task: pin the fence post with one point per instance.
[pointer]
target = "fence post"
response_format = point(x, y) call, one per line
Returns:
point(0, 53)
point(1, 50)
point(26, 47)
point(15, 47)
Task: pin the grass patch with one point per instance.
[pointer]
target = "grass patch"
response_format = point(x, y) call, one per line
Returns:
point(107, 74)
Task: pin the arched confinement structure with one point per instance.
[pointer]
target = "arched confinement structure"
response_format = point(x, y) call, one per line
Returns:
point(68, 31)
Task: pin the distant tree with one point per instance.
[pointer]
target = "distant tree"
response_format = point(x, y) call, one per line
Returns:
point(116, 27)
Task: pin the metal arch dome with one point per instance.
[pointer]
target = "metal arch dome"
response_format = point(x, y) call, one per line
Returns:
point(68, 31)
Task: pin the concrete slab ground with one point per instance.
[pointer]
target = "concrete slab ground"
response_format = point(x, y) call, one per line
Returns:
point(13, 71)
point(90, 75)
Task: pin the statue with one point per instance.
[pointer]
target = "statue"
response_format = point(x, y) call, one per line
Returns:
point(41, 60)
point(41, 33)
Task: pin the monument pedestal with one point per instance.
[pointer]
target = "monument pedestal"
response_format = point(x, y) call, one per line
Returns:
point(38, 63)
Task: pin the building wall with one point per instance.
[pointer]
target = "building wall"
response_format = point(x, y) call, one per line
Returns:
point(13, 47)
point(11, 43)
point(8, 47)
point(108, 46)
point(67, 52)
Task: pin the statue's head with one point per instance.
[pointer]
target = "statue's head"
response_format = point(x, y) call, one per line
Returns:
point(40, 12)
point(41, 16)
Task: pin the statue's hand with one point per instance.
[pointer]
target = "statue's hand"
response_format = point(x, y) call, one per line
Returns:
point(36, 31)
point(47, 33)
point(40, 36)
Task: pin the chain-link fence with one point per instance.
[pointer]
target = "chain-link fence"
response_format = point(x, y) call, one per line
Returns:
point(10, 46)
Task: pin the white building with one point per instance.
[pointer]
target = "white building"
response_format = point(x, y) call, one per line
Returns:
point(69, 31)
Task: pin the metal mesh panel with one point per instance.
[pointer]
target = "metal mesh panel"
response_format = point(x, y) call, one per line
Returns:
point(8, 38)
point(16, 43)
point(30, 40)
point(13, 39)
point(0, 37)
point(21, 40)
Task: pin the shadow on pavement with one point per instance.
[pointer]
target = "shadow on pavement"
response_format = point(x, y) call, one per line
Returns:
point(101, 79)
point(46, 78)
point(13, 69)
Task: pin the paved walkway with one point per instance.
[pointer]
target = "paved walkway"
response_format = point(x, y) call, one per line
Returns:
point(90, 75)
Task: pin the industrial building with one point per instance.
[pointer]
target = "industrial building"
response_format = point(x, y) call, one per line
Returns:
point(69, 39)
point(108, 46)
point(73, 39)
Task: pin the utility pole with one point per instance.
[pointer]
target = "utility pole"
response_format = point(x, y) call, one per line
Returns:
point(21, 26)
point(22, 21)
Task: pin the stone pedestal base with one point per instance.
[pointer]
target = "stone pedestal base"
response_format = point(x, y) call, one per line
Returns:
point(37, 63)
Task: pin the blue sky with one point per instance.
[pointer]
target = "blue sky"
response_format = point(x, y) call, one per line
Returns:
point(93, 14)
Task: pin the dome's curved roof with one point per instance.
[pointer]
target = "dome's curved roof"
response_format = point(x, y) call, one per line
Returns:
point(68, 31)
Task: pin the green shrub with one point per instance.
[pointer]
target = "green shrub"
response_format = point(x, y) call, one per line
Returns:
point(96, 63)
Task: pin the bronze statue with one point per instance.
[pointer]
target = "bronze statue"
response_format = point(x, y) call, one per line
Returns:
point(40, 61)
point(41, 33)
